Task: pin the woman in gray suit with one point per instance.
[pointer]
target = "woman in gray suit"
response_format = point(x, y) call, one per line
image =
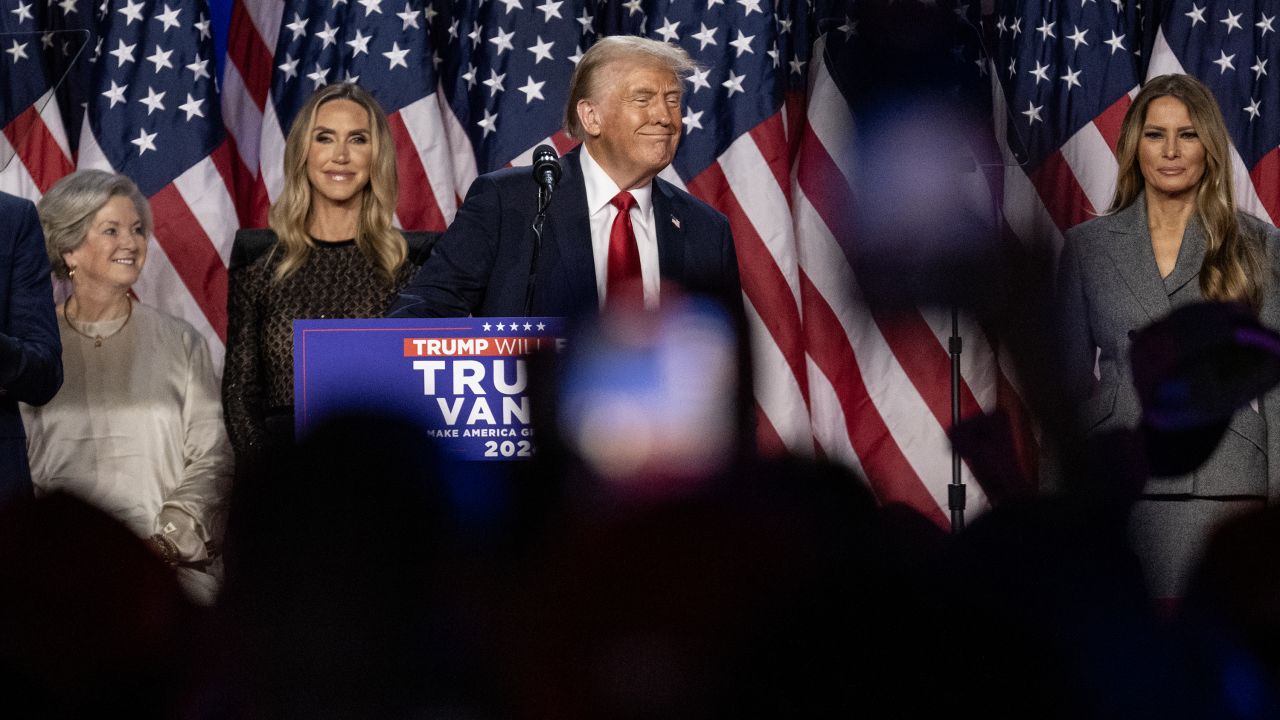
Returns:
point(1171, 236)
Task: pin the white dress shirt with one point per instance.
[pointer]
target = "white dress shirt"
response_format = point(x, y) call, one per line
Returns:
point(601, 190)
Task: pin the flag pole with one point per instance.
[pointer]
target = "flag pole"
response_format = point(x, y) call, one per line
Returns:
point(955, 491)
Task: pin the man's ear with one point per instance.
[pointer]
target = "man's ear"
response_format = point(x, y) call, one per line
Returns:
point(589, 117)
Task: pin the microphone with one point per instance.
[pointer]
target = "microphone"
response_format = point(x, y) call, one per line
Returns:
point(546, 170)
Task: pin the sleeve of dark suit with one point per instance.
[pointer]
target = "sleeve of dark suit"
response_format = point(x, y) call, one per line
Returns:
point(453, 281)
point(30, 349)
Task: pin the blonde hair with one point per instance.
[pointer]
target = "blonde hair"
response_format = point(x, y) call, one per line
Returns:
point(376, 236)
point(67, 210)
point(585, 80)
point(1234, 266)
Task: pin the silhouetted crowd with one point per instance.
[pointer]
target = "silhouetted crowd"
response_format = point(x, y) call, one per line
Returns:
point(368, 575)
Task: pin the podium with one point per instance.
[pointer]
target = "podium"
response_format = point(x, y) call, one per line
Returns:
point(464, 380)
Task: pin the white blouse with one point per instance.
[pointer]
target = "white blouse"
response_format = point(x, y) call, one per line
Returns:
point(137, 428)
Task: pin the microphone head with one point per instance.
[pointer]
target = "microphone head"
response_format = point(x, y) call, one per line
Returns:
point(545, 161)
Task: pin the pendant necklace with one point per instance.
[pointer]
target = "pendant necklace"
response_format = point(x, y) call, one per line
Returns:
point(97, 339)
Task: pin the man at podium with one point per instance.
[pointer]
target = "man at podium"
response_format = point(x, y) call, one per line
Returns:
point(612, 231)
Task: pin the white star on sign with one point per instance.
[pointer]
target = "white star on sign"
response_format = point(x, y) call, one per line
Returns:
point(153, 100)
point(115, 93)
point(192, 107)
point(541, 51)
point(145, 141)
point(486, 327)
point(532, 90)
point(395, 56)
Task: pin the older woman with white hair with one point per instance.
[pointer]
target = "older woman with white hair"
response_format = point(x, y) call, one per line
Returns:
point(137, 428)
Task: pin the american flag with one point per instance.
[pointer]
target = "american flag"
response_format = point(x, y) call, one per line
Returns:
point(139, 98)
point(1067, 72)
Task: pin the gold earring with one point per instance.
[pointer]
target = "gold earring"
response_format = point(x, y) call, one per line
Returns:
point(71, 274)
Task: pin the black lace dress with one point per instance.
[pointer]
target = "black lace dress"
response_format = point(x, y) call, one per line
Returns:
point(336, 281)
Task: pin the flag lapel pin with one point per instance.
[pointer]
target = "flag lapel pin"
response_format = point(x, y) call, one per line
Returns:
point(675, 221)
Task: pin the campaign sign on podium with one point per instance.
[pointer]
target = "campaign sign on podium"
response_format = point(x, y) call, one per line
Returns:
point(464, 379)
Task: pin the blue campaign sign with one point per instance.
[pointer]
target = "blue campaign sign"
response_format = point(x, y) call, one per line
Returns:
point(464, 379)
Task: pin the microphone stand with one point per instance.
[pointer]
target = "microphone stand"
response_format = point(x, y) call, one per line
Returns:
point(544, 200)
point(955, 491)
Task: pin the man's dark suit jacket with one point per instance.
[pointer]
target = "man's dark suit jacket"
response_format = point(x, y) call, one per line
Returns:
point(481, 265)
point(30, 349)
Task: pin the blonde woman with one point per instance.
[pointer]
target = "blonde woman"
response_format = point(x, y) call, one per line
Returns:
point(331, 252)
point(1172, 236)
point(137, 428)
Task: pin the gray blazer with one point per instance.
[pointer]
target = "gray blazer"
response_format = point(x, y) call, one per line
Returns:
point(1109, 286)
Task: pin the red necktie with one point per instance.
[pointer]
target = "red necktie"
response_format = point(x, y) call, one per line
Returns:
point(623, 276)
